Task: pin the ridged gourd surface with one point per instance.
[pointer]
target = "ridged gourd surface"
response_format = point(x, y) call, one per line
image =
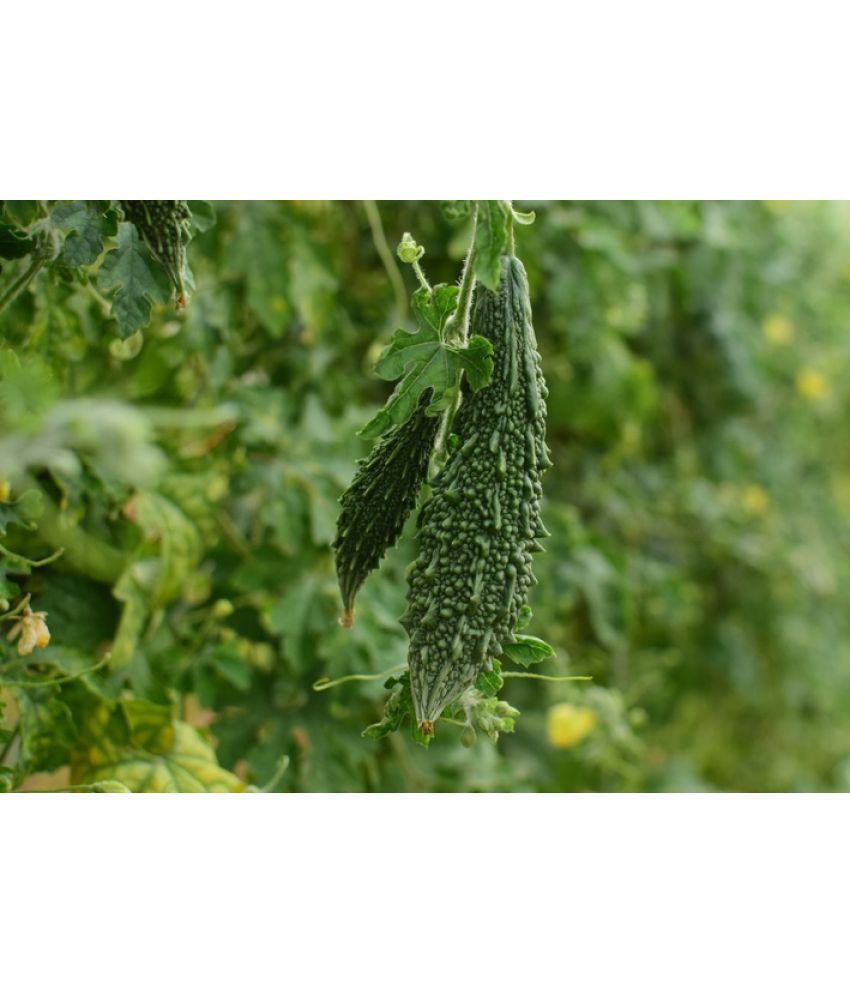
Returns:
point(482, 522)
point(163, 226)
point(379, 499)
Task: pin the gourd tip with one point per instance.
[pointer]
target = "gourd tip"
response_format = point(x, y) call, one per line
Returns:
point(346, 620)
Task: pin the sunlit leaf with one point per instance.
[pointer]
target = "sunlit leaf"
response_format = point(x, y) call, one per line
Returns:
point(138, 746)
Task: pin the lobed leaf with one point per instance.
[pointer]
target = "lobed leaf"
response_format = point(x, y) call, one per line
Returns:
point(87, 227)
point(131, 277)
point(423, 361)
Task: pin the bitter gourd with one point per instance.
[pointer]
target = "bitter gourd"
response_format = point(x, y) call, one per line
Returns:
point(482, 523)
point(164, 226)
point(379, 499)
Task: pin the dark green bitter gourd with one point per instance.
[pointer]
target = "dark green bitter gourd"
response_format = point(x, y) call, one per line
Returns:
point(164, 226)
point(379, 500)
point(479, 528)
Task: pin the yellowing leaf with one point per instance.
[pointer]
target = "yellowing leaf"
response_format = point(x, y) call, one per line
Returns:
point(135, 747)
point(567, 725)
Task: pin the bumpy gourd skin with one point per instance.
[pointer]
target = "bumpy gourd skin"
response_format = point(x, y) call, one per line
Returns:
point(482, 522)
point(379, 499)
point(164, 227)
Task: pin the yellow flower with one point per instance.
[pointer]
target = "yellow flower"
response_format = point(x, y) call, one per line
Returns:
point(755, 499)
point(778, 329)
point(811, 384)
point(32, 630)
point(5, 490)
point(567, 725)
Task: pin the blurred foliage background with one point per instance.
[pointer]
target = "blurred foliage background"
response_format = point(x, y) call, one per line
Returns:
point(696, 355)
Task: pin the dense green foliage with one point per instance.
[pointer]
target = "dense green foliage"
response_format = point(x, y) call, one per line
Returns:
point(188, 465)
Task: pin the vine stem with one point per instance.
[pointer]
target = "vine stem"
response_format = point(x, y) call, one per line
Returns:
point(10, 742)
point(23, 280)
point(32, 563)
point(45, 250)
point(324, 683)
point(457, 327)
point(382, 247)
point(277, 777)
point(53, 681)
point(18, 609)
point(541, 677)
point(457, 333)
point(420, 276)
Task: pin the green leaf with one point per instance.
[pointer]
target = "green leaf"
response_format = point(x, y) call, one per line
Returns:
point(433, 310)
point(456, 210)
point(134, 615)
point(47, 729)
point(27, 389)
point(88, 226)
point(230, 664)
point(178, 542)
point(491, 240)
point(290, 617)
point(260, 256)
point(423, 360)
point(397, 708)
point(490, 682)
point(203, 215)
point(528, 650)
point(152, 581)
point(477, 361)
point(14, 243)
point(22, 212)
point(131, 277)
point(525, 616)
point(134, 745)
